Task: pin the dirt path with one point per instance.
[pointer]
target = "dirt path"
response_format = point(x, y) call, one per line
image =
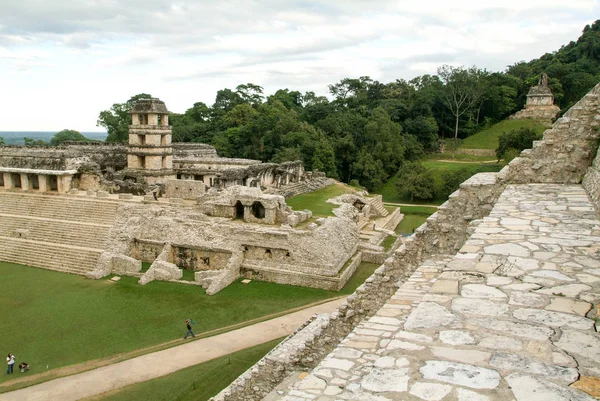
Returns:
point(409, 204)
point(161, 363)
point(466, 161)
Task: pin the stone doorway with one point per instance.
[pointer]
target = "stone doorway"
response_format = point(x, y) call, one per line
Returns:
point(258, 210)
point(239, 211)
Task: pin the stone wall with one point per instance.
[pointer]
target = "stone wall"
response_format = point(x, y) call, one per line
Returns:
point(184, 189)
point(591, 181)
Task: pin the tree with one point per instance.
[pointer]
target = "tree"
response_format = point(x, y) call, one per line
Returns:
point(2, 141)
point(462, 90)
point(452, 145)
point(67, 135)
point(415, 179)
point(116, 120)
point(34, 142)
point(511, 143)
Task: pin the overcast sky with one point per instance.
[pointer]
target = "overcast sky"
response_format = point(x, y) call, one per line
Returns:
point(63, 61)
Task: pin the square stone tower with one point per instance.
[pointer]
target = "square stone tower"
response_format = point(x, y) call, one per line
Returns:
point(150, 154)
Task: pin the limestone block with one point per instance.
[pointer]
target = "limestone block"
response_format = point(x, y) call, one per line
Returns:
point(103, 266)
point(124, 265)
point(102, 194)
point(125, 196)
point(161, 270)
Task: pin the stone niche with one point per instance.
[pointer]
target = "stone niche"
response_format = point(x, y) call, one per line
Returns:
point(146, 250)
point(197, 258)
point(185, 189)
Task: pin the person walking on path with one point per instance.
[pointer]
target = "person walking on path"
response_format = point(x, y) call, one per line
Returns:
point(189, 323)
point(10, 359)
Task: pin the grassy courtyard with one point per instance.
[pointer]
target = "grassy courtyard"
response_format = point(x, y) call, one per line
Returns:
point(488, 138)
point(53, 319)
point(316, 201)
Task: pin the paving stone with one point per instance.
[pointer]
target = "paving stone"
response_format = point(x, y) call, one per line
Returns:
point(407, 335)
point(456, 337)
point(526, 264)
point(589, 385)
point(514, 329)
point(501, 342)
point(498, 280)
point(469, 356)
point(527, 299)
point(341, 364)
point(385, 362)
point(479, 307)
point(428, 315)
point(468, 395)
point(312, 382)
point(568, 290)
point(346, 353)
point(551, 274)
point(553, 319)
point(582, 344)
point(396, 344)
point(529, 388)
point(507, 249)
point(445, 287)
point(460, 374)
point(332, 390)
point(521, 287)
point(512, 362)
point(383, 380)
point(430, 391)
point(569, 306)
point(481, 291)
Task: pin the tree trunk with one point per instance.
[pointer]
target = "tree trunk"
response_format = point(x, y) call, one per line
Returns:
point(412, 194)
point(455, 137)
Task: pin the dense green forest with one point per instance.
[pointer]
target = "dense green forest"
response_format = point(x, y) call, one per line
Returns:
point(366, 130)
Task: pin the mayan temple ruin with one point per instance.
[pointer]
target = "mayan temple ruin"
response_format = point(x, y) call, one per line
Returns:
point(494, 298)
point(540, 103)
point(96, 209)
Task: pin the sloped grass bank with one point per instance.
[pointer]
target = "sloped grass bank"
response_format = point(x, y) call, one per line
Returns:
point(488, 138)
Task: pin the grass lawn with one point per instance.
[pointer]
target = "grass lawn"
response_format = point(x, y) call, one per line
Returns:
point(410, 223)
point(197, 383)
point(458, 157)
point(55, 319)
point(418, 210)
point(388, 242)
point(488, 138)
point(316, 201)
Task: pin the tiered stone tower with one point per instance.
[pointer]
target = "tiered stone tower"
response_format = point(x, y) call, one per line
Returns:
point(150, 153)
point(540, 103)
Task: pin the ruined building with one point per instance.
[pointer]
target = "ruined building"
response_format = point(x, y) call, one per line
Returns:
point(540, 103)
point(176, 206)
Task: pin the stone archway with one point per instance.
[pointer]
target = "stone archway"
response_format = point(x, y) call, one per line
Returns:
point(258, 210)
point(239, 210)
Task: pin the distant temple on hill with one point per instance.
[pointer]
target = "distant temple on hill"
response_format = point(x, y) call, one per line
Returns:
point(540, 103)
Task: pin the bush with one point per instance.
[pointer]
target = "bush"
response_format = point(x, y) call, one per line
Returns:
point(511, 143)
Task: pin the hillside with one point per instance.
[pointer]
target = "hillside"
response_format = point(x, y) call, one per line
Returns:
point(488, 138)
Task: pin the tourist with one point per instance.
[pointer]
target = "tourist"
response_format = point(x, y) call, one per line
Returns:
point(189, 323)
point(24, 367)
point(11, 361)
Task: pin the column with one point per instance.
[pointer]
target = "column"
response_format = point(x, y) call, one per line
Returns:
point(64, 183)
point(24, 182)
point(43, 182)
point(8, 181)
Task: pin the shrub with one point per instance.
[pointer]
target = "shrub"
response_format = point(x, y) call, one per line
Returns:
point(511, 143)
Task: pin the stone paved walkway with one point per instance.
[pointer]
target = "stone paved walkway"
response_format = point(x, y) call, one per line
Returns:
point(503, 320)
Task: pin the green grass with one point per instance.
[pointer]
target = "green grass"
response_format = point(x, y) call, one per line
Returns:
point(197, 383)
point(54, 319)
point(363, 271)
point(316, 201)
point(418, 210)
point(410, 223)
point(458, 157)
point(388, 242)
point(488, 138)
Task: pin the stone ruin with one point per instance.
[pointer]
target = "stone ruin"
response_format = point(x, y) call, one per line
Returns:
point(219, 218)
point(540, 103)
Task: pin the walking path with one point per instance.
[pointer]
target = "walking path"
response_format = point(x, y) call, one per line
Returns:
point(511, 317)
point(162, 363)
point(409, 204)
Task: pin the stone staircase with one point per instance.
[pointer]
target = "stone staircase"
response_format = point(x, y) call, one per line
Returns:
point(54, 232)
point(377, 206)
point(301, 187)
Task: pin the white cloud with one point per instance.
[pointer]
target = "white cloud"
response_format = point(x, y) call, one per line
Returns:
point(86, 55)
